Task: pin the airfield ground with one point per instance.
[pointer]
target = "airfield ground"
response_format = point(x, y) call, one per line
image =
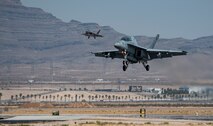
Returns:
point(84, 108)
point(121, 121)
point(35, 106)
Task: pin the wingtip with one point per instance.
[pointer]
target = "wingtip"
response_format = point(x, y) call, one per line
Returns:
point(184, 52)
point(158, 35)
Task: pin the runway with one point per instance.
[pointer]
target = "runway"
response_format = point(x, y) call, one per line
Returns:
point(42, 118)
point(49, 118)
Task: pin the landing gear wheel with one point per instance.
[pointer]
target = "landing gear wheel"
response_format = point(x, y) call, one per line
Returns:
point(147, 67)
point(124, 67)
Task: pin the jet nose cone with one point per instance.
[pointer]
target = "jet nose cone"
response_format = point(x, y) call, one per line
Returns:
point(117, 45)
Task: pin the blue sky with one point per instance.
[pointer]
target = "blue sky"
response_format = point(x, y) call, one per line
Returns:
point(170, 18)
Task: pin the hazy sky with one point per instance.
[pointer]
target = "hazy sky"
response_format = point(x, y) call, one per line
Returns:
point(170, 18)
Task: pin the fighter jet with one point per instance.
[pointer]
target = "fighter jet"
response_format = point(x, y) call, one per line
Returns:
point(89, 34)
point(131, 53)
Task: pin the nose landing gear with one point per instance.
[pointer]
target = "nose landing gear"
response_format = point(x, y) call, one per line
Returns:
point(125, 65)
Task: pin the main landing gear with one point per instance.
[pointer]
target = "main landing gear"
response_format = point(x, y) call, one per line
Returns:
point(146, 66)
point(125, 65)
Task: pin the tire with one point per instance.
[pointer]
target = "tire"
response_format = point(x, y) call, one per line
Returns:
point(147, 67)
point(124, 67)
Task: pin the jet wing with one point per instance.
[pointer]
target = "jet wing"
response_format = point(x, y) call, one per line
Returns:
point(109, 54)
point(155, 53)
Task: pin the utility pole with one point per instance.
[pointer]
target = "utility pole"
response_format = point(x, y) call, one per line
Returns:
point(52, 74)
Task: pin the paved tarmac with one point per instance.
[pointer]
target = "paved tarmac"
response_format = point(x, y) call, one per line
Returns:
point(47, 118)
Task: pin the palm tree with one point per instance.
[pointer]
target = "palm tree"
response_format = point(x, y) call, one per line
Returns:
point(35, 96)
point(96, 97)
point(11, 97)
point(89, 97)
point(53, 97)
point(42, 98)
point(109, 97)
point(23, 97)
point(57, 97)
point(126, 98)
point(76, 98)
point(20, 95)
point(79, 97)
point(46, 97)
point(149, 98)
point(0, 96)
point(155, 97)
point(116, 98)
point(164, 96)
point(69, 97)
point(82, 96)
point(31, 96)
point(145, 97)
point(136, 98)
point(28, 96)
point(16, 98)
point(39, 97)
point(188, 95)
point(119, 98)
point(65, 98)
point(113, 97)
point(173, 96)
point(201, 97)
point(50, 97)
point(61, 98)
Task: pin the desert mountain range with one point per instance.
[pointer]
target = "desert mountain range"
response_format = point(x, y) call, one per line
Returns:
point(36, 45)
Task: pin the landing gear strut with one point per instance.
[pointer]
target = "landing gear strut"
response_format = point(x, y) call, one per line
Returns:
point(125, 65)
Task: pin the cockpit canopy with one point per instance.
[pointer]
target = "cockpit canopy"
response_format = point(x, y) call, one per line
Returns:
point(126, 38)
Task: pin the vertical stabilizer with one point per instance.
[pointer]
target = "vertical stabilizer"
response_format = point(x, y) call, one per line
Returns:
point(98, 31)
point(154, 42)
